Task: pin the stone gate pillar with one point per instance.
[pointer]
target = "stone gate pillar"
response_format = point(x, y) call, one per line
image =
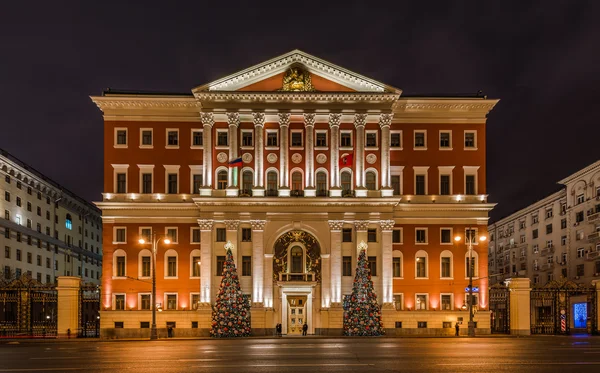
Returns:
point(520, 305)
point(68, 305)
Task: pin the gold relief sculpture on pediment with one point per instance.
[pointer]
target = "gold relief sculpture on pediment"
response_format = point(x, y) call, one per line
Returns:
point(297, 79)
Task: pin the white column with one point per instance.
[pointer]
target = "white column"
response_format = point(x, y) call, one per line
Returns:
point(259, 144)
point(359, 154)
point(231, 228)
point(233, 119)
point(284, 125)
point(207, 123)
point(268, 281)
point(385, 121)
point(387, 261)
point(258, 253)
point(334, 169)
point(325, 280)
point(335, 227)
point(309, 126)
point(206, 226)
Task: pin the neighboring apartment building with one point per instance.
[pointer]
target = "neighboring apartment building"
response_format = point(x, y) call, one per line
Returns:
point(295, 161)
point(557, 237)
point(47, 231)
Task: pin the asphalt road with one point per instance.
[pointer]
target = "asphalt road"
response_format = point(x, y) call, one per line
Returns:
point(529, 354)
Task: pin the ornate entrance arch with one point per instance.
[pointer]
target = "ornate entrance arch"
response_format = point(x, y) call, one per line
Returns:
point(286, 242)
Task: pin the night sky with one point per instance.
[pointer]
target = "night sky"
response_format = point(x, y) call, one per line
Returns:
point(540, 58)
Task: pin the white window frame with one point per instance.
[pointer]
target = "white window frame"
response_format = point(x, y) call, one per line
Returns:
point(420, 170)
point(401, 301)
point(115, 242)
point(326, 147)
point(192, 146)
point(471, 170)
point(447, 254)
point(168, 253)
point(247, 147)
point(140, 234)
point(426, 301)
point(376, 147)
point(474, 138)
point(172, 169)
point(426, 255)
point(142, 146)
point(443, 171)
point(271, 147)
point(195, 170)
point(167, 146)
point(191, 298)
point(398, 171)
point(121, 146)
point(440, 140)
point(401, 140)
point(476, 242)
point(415, 147)
point(301, 147)
point(401, 236)
point(117, 253)
point(145, 169)
point(142, 253)
point(351, 140)
point(139, 301)
point(165, 296)
point(176, 232)
point(114, 303)
point(193, 253)
point(451, 236)
point(374, 171)
point(398, 254)
point(475, 257)
point(426, 235)
point(119, 169)
point(192, 229)
point(220, 147)
point(451, 301)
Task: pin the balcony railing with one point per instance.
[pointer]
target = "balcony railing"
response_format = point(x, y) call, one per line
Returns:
point(592, 255)
point(297, 193)
point(245, 193)
point(322, 193)
point(271, 193)
point(547, 250)
point(301, 277)
point(348, 193)
point(594, 217)
point(547, 266)
point(594, 236)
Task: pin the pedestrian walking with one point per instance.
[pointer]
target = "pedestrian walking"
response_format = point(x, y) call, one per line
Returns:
point(278, 329)
point(457, 329)
point(69, 333)
point(304, 328)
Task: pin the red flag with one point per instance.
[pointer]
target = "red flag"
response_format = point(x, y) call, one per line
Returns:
point(346, 160)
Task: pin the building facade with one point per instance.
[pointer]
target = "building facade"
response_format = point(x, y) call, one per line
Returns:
point(557, 237)
point(47, 231)
point(295, 161)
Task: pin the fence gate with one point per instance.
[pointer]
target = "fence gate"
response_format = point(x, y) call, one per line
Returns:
point(27, 308)
point(499, 309)
point(89, 307)
point(561, 305)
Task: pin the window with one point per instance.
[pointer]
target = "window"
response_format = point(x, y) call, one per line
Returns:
point(195, 302)
point(548, 228)
point(7, 196)
point(7, 179)
point(372, 265)
point(470, 140)
point(534, 233)
point(422, 304)
point(146, 183)
point(221, 235)
point(346, 234)
point(397, 266)
point(563, 240)
point(197, 138)
point(7, 233)
point(271, 183)
point(296, 181)
point(171, 301)
point(196, 266)
point(371, 140)
point(396, 184)
point(371, 180)
point(69, 222)
point(580, 270)
point(222, 179)
point(172, 184)
point(580, 199)
point(246, 234)
point(321, 139)
point(146, 234)
point(421, 235)
point(119, 235)
point(120, 266)
point(247, 138)
point(444, 185)
point(421, 267)
point(195, 235)
point(222, 138)
point(470, 184)
point(121, 137)
point(246, 266)
point(171, 266)
point(420, 185)
point(563, 223)
point(272, 138)
point(121, 182)
point(420, 140)
point(522, 238)
point(172, 138)
point(579, 217)
point(119, 306)
point(146, 266)
point(549, 213)
point(19, 201)
point(397, 236)
point(446, 235)
point(7, 252)
point(296, 138)
point(219, 266)
point(145, 303)
point(346, 182)
point(395, 140)
point(445, 142)
point(446, 267)
point(247, 182)
point(172, 234)
point(471, 268)
point(146, 137)
point(372, 235)
point(347, 266)
point(534, 219)
point(346, 139)
point(580, 252)
point(321, 184)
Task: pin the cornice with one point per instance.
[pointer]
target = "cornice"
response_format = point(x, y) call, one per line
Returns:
point(274, 97)
point(426, 207)
point(591, 168)
point(443, 106)
point(275, 203)
point(179, 206)
point(128, 102)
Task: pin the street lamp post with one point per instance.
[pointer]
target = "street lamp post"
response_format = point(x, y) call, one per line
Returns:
point(155, 239)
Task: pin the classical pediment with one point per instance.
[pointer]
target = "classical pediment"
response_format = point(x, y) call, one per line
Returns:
point(297, 71)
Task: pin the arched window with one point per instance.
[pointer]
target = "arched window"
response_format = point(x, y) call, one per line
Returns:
point(421, 264)
point(69, 222)
point(321, 184)
point(297, 181)
point(222, 179)
point(247, 181)
point(296, 260)
point(171, 267)
point(119, 263)
point(346, 181)
point(371, 181)
point(145, 263)
point(474, 264)
point(446, 265)
point(271, 183)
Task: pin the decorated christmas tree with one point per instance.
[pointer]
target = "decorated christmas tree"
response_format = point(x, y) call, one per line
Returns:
point(231, 312)
point(362, 315)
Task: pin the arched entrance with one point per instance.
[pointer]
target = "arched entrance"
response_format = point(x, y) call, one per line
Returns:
point(297, 271)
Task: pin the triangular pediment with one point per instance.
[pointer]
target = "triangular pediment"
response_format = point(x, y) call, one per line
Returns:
point(270, 76)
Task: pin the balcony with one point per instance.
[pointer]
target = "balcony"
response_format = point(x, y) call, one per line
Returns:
point(271, 193)
point(594, 236)
point(522, 259)
point(591, 256)
point(348, 193)
point(593, 217)
point(297, 277)
point(547, 267)
point(245, 193)
point(322, 193)
point(547, 250)
point(297, 193)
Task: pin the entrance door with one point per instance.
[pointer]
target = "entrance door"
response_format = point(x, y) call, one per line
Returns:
point(296, 314)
